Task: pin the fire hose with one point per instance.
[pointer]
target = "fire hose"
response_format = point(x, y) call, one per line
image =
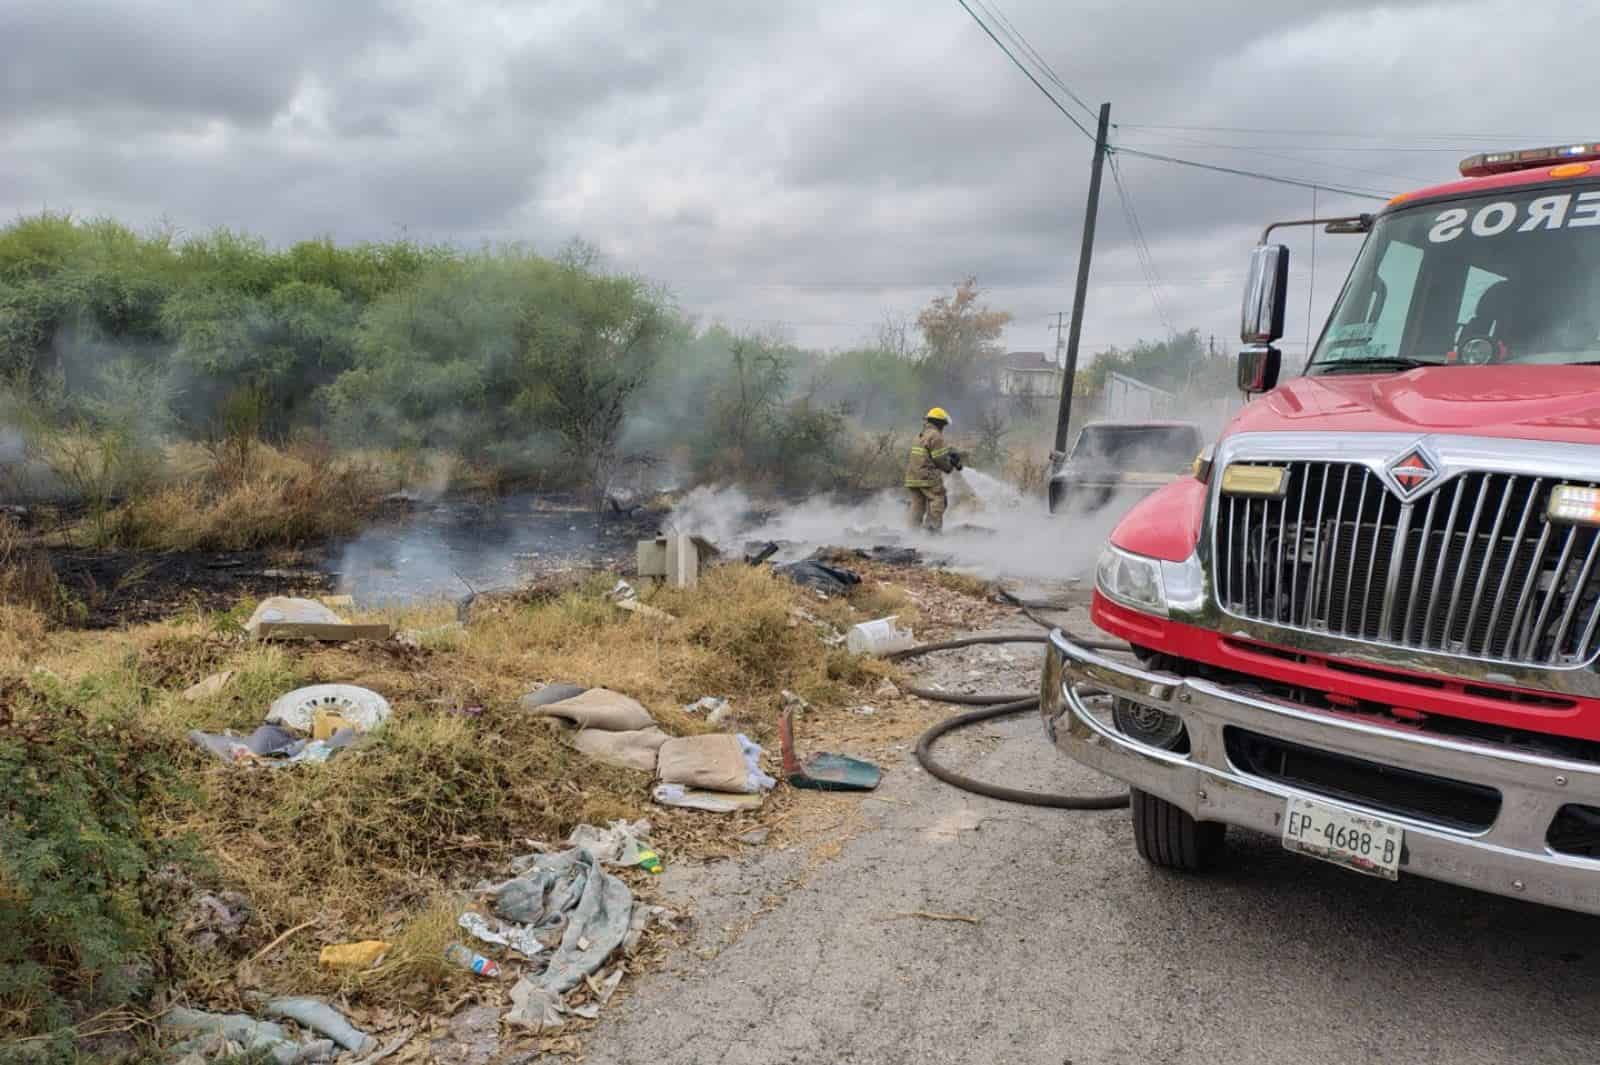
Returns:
point(995, 706)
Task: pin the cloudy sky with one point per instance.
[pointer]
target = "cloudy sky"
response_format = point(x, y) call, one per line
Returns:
point(810, 163)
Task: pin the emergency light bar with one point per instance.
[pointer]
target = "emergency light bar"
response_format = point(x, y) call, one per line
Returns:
point(1504, 162)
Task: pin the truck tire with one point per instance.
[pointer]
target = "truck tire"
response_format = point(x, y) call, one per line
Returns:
point(1169, 838)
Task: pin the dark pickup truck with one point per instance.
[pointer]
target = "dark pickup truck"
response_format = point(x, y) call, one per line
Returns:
point(1129, 459)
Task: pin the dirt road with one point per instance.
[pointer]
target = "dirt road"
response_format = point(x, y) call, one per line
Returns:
point(1082, 954)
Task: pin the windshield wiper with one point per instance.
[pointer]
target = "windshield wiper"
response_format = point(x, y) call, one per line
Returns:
point(1371, 362)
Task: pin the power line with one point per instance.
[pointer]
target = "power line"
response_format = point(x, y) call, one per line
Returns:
point(1032, 53)
point(1385, 149)
point(1499, 138)
point(1141, 246)
point(1347, 190)
point(1279, 154)
point(1026, 72)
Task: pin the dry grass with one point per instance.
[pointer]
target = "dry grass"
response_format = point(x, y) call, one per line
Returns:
point(381, 841)
point(28, 585)
point(223, 502)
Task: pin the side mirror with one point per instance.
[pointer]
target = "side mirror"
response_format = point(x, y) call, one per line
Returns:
point(1258, 368)
point(1265, 295)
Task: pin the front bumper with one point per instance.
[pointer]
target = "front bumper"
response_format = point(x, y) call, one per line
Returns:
point(1510, 857)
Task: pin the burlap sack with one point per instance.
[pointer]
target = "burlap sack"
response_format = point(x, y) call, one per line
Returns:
point(596, 708)
point(630, 750)
point(715, 762)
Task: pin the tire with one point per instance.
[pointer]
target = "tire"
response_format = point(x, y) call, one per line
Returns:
point(1169, 838)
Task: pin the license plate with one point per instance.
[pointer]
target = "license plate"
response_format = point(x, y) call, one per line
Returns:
point(1368, 845)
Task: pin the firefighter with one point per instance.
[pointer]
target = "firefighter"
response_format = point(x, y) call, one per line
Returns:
point(930, 460)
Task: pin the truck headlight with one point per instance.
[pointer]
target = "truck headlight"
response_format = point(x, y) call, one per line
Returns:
point(1151, 585)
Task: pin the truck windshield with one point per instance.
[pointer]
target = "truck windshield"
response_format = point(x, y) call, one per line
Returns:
point(1502, 278)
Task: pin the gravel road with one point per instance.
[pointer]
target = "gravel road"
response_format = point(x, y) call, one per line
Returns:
point(1081, 954)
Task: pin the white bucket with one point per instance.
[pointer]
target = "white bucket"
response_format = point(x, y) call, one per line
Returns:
point(880, 637)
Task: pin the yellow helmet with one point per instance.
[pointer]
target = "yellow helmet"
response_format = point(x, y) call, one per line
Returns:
point(937, 414)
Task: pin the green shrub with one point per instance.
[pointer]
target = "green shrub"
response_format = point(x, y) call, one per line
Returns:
point(75, 855)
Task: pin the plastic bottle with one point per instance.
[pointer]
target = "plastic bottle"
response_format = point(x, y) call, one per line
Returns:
point(462, 958)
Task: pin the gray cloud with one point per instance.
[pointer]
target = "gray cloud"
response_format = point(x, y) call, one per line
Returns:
point(812, 164)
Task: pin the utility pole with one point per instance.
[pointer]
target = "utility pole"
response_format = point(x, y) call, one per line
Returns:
point(1064, 414)
point(1061, 338)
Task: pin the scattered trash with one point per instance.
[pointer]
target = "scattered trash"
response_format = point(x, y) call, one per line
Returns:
point(755, 838)
point(251, 1035)
point(643, 917)
point(550, 693)
point(596, 708)
point(762, 553)
point(462, 958)
point(824, 772)
point(887, 689)
point(645, 610)
point(281, 616)
point(321, 1017)
point(636, 749)
point(362, 955)
point(792, 703)
point(360, 708)
point(212, 685)
point(519, 938)
point(216, 918)
point(619, 844)
point(649, 861)
point(826, 579)
point(879, 638)
point(866, 711)
point(717, 802)
point(716, 762)
point(271, 746)
point(708, 703)
point(568, 888)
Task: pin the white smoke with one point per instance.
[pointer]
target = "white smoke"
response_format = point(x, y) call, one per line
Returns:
point(991, 530)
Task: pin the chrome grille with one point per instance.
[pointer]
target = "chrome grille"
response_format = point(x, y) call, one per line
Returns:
point(1473, 568)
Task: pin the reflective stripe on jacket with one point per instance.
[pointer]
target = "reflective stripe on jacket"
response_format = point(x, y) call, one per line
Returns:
point(929, 460)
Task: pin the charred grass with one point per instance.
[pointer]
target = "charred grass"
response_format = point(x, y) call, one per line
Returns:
point(378, 842)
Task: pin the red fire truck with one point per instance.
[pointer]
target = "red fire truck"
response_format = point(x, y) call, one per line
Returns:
point(1369, 623)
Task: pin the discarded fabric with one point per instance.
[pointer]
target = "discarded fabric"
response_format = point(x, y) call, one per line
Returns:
point(627, 750)
point(829, 580)
point(571, 889)
point(550, 693)
point(250, 1034)
point(321, 1017)
point(619, 844)
point(597, 708)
